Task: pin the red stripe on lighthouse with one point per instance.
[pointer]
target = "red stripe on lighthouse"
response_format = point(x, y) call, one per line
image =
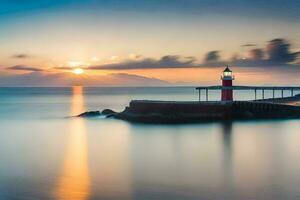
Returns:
point(227, 95)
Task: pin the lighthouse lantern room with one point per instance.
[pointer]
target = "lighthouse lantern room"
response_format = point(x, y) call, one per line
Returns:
point(227, 78)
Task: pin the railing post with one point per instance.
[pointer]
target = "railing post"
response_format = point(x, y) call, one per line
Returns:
point(199, 94)
point(206, 94)
point(273, 94)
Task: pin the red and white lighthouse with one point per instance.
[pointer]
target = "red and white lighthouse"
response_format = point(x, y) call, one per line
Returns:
point(227, 78)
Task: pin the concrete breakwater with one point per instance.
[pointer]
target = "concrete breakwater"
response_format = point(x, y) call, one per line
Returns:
point(187, 112)
point(146, 111)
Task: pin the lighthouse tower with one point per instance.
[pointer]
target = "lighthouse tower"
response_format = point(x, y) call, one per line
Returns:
point(227, 78)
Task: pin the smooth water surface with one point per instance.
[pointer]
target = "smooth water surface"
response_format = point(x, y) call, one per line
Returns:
point(46, 154)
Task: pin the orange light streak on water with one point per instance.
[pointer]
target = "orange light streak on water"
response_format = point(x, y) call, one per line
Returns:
point(74, 183)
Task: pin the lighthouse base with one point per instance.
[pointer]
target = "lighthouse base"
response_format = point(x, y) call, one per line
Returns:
point(227, 95)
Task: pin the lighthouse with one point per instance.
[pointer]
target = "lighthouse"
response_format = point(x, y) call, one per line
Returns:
point(227, 78)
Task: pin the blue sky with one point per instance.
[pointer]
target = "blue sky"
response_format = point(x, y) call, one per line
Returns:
point(267, 8)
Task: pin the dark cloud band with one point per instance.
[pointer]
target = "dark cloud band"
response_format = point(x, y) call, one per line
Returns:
point(20, 56)
point(25, 68)
point(168, 61)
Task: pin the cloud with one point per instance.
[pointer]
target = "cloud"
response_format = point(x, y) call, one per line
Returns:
point(70, 68)
point(63, 68)
point(256, 54)
point(20, 56)
point(134, 56)
point(249, 45)
point(278, 51)
point(25, 68)
point(168, 61)
point(212, 56)
point(44, 79)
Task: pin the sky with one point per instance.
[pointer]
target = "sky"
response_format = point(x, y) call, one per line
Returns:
point(148, 43)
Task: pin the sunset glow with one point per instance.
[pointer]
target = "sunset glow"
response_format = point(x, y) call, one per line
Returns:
point(95, 37)
point(78, 71)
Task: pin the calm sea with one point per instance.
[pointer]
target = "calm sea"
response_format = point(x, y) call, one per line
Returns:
point(45, 154)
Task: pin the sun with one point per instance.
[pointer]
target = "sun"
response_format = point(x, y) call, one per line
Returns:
point(78, 71)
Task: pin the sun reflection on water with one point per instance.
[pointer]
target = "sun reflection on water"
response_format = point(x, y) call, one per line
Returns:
point(74, 183)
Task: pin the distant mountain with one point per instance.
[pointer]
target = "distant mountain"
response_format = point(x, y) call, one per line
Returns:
point(67, 79)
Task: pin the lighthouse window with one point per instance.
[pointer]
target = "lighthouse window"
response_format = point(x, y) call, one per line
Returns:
point(227, 73)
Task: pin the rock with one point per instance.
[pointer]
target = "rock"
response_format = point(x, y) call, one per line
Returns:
point(90, 114)
point(108, 112)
